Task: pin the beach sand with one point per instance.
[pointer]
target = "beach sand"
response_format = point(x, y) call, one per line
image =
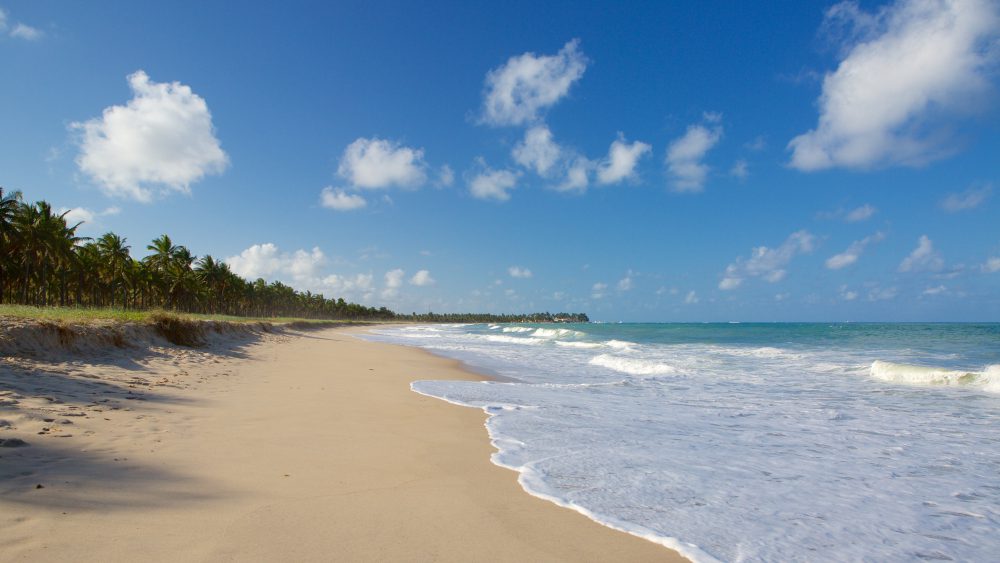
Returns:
point(281, 447)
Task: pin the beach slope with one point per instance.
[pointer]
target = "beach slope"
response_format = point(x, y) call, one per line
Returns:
point(302, 446)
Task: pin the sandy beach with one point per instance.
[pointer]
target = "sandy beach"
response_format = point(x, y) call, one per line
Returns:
point(289, 446)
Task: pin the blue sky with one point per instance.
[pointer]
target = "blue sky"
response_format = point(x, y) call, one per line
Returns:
point(688, 162)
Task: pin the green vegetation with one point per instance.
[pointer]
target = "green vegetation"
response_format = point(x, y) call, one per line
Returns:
point(43, 263)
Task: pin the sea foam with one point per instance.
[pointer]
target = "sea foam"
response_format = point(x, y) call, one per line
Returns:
point(750, 442)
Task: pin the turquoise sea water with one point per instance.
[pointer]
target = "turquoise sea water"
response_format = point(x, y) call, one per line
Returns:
point(748, 442)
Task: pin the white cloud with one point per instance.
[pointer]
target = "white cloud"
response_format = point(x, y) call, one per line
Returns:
point(621, 160)
point(537, 151)
point(528, 84)
point(969, 199)
point(691, 298)
point(597, 290)
point(992, 264)
point(268, 262)
point(492, 184)
point(26, 32)
point(88, 217)
point(767, 263)
point(862, 213)
point(356, 286)
point(162, 138)
point(378, 163)
point(935, 290)
point(422, 278)
point(3, 20)
point(882, 294)
point(847, 295)
point(740, 169)
point(907, 66)
point(393, 281)
point(626, 283)
point(519, 272)
point(446, 176)
point(685, 154)
point(923, 257)
point(336, 198)
point(758, 144)
point(394, 278)
point(853, 252)
point(577, 176)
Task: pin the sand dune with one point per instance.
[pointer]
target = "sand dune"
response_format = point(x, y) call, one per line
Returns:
point(260, 446)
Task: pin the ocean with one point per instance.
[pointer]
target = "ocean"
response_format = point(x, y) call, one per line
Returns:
point(747, 442)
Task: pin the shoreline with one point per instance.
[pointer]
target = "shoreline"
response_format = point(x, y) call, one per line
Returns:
point(307, 445)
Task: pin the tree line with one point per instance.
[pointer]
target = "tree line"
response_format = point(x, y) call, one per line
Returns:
point(44, 262)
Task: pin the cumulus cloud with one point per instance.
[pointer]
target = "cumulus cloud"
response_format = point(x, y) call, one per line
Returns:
point(393, 281)
point(969, 199)
point(357, 286)
point(446, 176)
point(519, 272)
point(740, 169)
point(691, 298)
point(684, 155)
point(492, 184)
point(338, 199)
point(621, 160)
point(378, 163)
point(882, 294)
point(20, 30)
point(937, 290)
point(923, 257)
point(86, 217)
point(268, 262)
point(992, 264)
point(626, 283)
point(26, 32)
point(537, 151)
point(162, 141)
point(526, 85)
point(597, 290)
point(422, 278)
point(767, 263)
point(904, 68)
point(862, 213)
point(301, 269)
point(853, 252)
point(846, 294)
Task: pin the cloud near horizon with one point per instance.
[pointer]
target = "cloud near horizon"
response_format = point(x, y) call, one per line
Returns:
point(160, 142)
point(905, 67)
point(526, 85)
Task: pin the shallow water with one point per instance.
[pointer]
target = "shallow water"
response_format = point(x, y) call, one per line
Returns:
point(745, 442)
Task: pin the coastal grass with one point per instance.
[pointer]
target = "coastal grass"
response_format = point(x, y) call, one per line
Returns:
point(103, 314)
point(183, 329)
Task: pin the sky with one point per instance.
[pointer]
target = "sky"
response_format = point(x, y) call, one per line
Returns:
point(655, 161)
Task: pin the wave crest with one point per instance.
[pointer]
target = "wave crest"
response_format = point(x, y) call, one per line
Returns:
point(988, 379)
point(631, 366)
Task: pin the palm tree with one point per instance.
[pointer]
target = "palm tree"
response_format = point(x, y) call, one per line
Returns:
point(115, 255)
point(9, 204)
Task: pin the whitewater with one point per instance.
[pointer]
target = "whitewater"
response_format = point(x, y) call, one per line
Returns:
point(747, 442)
